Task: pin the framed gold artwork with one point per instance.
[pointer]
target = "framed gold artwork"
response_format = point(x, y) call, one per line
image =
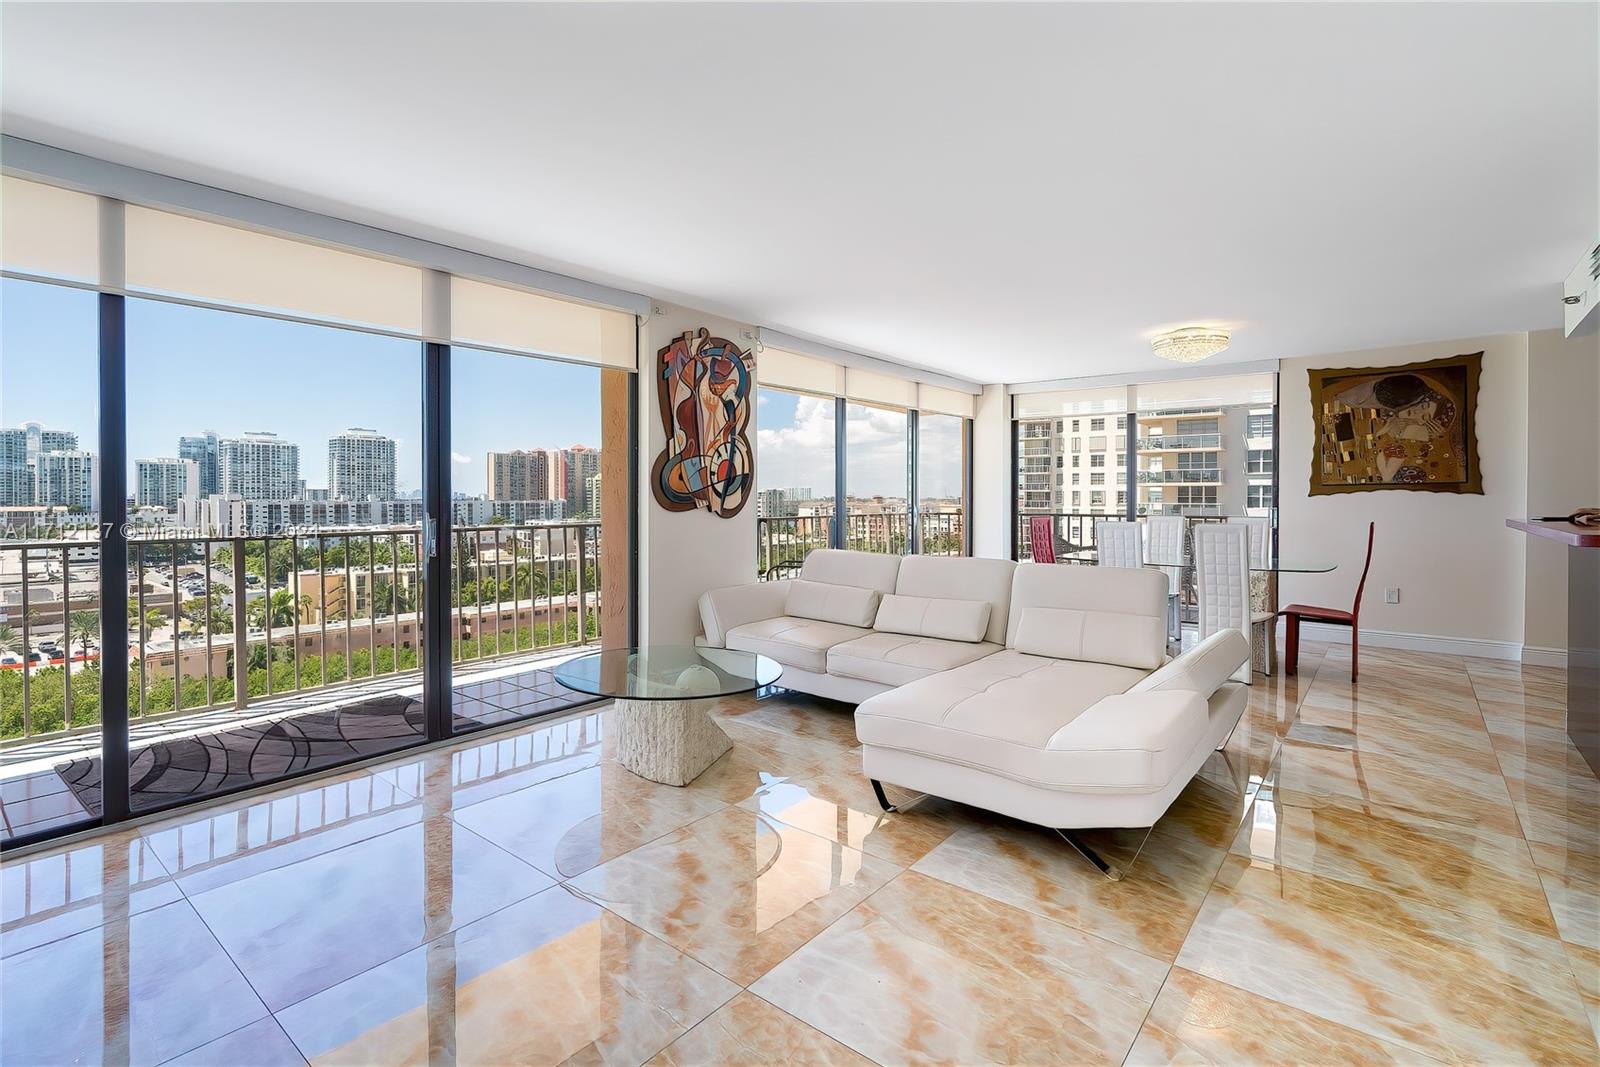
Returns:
point(1408, 427)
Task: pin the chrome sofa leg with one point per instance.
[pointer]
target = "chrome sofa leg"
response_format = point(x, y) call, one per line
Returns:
point(1104, 866)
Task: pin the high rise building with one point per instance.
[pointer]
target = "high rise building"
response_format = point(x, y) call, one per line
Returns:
point(361, 465)
point(518, 475)
point(66, 479)
point(780, 503)
point(203, 449)
point(16, 472)
point(43, 440)
point(579, 463)
point(163, 482)
point(258, 466)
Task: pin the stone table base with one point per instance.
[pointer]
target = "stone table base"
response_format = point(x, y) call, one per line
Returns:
point(667, 741)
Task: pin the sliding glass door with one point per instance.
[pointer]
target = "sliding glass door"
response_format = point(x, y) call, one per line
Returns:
point(50, 596)
point(877, 479)
point(245, 534)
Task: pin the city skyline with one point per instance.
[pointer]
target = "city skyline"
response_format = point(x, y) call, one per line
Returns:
point(259, 376)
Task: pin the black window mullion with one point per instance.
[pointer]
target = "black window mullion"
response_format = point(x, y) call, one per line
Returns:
point(913, 495)
point(840, 540)
point(437, 643)
point(112, 476)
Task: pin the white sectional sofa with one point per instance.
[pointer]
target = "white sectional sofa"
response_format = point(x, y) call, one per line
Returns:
point(1039, 691)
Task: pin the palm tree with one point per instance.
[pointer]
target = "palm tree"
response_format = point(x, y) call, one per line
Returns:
point(10, 640)
point(83, 627)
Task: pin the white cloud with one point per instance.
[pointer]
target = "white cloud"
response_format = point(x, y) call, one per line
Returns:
point(800, 454)
point(457, 457)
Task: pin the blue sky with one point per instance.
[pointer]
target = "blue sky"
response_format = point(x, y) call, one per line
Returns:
point(190, 369)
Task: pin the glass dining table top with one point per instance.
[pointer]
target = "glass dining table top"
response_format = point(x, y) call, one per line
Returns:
point(667, 672)
point(1278, 566)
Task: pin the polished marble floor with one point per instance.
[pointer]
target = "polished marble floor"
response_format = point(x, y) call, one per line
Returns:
point(1403, 871)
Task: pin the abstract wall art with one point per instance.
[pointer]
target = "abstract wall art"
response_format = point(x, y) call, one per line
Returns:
point(703, 384)
point(1407, 427)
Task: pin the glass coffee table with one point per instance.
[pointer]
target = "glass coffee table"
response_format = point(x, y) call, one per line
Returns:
point(663, 696)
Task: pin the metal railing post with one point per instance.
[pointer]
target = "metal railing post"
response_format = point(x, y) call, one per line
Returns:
point(241, 639)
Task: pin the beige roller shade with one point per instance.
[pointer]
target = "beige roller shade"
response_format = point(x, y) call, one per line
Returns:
point(879, 388)
point(780, 369)
point(49, 232)
point(496, 316)
point(206, 262)
point(1113, 399)
point(944, 401)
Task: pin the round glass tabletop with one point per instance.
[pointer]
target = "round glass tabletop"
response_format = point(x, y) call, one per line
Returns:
point(667, 672)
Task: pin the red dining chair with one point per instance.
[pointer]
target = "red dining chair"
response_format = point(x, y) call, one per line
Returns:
point(1042, 535)
point(1352, 618)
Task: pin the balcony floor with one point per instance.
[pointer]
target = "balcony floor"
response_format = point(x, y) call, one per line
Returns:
point(55, 782)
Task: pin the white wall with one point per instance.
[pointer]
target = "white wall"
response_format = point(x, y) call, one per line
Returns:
point(682, 554)
point(1459, 569)
point(991, 474)
point(1563, 473)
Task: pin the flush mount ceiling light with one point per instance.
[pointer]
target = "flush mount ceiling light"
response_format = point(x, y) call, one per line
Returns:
point(1190, 344)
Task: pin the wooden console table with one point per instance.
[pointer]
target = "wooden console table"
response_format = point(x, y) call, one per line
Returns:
point(1583, 629)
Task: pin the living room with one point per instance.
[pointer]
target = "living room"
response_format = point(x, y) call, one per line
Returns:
point(799, 533)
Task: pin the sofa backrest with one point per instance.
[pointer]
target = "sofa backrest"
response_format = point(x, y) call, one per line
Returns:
point(1098, 614)
point(961, 578)
point(864, 570)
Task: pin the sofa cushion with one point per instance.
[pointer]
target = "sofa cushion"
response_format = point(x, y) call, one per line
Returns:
point(926, 616)
point(1018, 715)
point(838, 566)
point(1097, 637)
point(793, 642)
point(1124, 610)
point(961, 578)
point(847, 604)
point(895, 659)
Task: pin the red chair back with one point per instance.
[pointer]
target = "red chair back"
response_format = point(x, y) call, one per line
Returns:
point(1355, 609)
point(1042, 535)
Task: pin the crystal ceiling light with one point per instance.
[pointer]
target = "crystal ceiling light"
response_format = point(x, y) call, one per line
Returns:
point(1190, 344)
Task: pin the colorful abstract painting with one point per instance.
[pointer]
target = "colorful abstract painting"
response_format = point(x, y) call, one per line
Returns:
point(704, 383)
point(1407, 427)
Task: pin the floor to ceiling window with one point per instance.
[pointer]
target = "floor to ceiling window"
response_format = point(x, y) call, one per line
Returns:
point(275, 592)
point(942, 463)
point(877, 479)
point(227, 464)
point(50, 596)
point(796, 473)
point(527, 464)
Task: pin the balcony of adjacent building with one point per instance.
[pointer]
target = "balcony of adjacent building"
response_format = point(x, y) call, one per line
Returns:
point(313, 657)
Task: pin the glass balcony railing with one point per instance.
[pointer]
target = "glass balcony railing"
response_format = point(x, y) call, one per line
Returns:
point(1174, 442)
point(1191, 475)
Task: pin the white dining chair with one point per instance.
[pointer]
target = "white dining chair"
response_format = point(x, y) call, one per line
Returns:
point(1263, 608)
point(1222, 575)
point(1164, 541)
point(1119, 544)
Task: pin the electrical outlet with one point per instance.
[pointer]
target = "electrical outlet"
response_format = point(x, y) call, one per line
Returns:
point(1391, 595)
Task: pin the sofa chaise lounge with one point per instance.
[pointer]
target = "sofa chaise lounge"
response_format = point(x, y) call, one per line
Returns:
point(1038, 691)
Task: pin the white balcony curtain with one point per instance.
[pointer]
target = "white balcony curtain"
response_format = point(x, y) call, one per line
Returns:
point(54, 234)
point(782, 369)
point(942, 401)
point(872, 388)
point(210, 263)
point(48, 232)
point(1199, 393)
point(484, 315)
point(1114, 400)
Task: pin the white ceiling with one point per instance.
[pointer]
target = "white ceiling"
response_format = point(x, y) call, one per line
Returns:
point(1005, 193)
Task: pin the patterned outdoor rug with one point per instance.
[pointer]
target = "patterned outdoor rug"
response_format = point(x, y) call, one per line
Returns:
point(204, 763)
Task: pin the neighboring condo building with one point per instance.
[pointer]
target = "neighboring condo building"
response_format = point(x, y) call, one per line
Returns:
point(361, 466)
point(16, 472)
point(519, 475)
point(258, 466)
point(66, 479)
point(204, 449)
point(43, 440)
point(163, 482)
point(781, 503)
point(579, 464)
